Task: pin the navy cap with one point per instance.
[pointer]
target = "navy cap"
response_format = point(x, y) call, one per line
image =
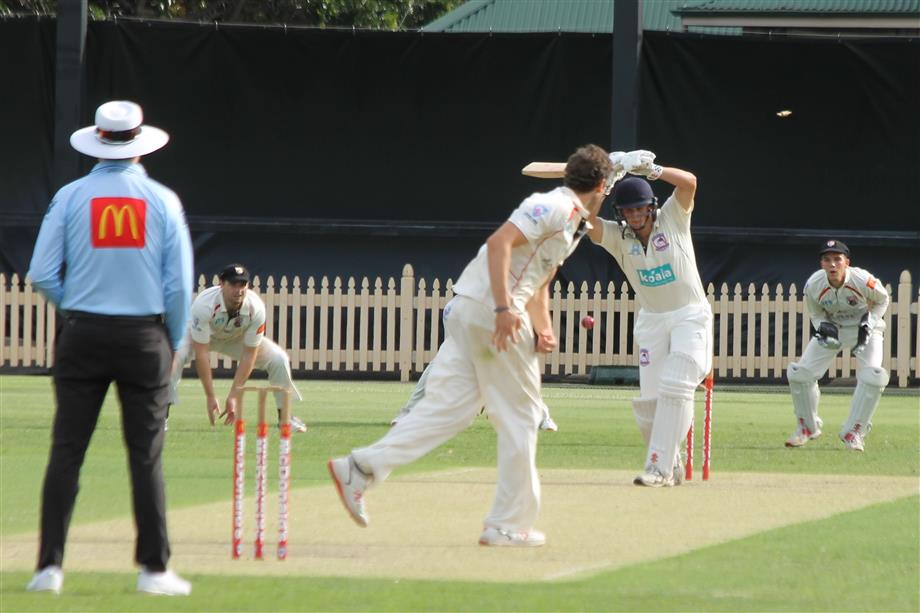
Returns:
point(234, 273)
point(833, 246)
point(632, 192)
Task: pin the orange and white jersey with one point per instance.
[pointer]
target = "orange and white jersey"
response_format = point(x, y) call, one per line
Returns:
point(211, 321)
point(553, 223)
point(844, 306)
point(663, 274)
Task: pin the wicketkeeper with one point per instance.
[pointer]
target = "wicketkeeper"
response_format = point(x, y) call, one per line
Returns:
point(847, 306)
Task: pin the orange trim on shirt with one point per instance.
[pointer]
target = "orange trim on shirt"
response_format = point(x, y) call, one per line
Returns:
point(871, 283)
point(821, 295)
point(854, 290)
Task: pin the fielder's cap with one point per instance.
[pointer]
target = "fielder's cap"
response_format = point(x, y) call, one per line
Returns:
point(234, 273)
point(833, 246)
point(119, 133)
point(632, 192)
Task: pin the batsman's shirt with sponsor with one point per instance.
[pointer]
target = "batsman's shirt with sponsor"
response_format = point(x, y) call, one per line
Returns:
point(553, 223)
point(663, 274)
point(212, 321)
point(115, 242)
point(845, 306)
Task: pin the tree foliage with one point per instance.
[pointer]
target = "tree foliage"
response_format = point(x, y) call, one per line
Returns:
point(374, 14)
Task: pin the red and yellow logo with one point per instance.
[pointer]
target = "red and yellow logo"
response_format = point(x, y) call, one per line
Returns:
point(118, 222)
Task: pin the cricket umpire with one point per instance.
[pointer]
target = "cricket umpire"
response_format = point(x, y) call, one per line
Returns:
point(114, 257)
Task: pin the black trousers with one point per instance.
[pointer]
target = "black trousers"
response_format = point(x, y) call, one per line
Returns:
point(91, 351)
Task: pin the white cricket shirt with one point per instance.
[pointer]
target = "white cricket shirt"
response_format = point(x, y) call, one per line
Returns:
point(551, 223)
point(210, 319)
point(664, 274)
point(860, 292)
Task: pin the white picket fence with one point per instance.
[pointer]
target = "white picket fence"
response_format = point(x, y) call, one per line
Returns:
point(394, 327)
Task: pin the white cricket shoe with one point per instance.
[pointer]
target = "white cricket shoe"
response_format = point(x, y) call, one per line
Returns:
point(549, 425)
point(351, 484)
point(297, 424)
point(402, 413)
point(853, 441)
point(166, 583)
point(496, 537)
point(653, 478)
point(802, 434)
point(48, 579)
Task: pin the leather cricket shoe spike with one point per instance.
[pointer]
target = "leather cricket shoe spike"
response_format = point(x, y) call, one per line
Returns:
point(351, 483)
point(497, 537)
point(48, 579)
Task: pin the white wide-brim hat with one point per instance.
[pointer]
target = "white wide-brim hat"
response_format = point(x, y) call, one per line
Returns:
point(119, 133)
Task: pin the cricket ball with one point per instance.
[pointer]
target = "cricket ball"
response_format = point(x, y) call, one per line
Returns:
point(587, 322)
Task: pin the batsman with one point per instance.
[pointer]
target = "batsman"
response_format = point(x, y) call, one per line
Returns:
point(673, 328)
point(847, 306)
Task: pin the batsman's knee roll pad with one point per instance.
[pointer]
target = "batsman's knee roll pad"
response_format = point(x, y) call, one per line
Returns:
point(876, 376)
point(680, 375)
point(797, 374)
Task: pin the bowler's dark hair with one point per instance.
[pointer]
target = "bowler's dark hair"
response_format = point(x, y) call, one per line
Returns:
point(586, 168)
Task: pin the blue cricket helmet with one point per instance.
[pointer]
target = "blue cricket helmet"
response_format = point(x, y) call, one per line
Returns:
point(632, 192)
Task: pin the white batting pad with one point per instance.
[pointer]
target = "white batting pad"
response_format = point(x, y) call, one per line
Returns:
point(644, 410)
point(870, 383)
point(805, 395)
point(680, 376)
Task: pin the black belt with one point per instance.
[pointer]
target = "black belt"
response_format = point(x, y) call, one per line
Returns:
point(116, 318)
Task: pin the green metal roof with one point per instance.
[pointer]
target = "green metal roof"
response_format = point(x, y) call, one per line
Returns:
point(809, 7)
point(596, 16)
point(550, 16)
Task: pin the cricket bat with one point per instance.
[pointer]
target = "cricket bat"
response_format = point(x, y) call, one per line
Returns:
point(544, 170)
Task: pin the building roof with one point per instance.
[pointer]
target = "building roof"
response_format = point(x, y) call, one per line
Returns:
point(810, 7)
point(594, 16)
point(723, 16)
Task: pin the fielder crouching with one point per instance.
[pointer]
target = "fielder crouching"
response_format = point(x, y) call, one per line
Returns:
point(230, 320)
point(847, 306)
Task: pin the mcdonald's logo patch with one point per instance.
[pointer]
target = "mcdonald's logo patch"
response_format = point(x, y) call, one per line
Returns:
point(118, 222)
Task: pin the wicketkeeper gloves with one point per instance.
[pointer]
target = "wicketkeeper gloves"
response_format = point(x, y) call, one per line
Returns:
point(866, 325)
point(827, 336)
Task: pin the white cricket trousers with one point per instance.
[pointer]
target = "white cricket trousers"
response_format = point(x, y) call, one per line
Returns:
point(687, 330)
point(270, 358)
point(466, 374)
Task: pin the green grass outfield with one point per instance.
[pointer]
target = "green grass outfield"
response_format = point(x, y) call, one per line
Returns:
point(868, 559)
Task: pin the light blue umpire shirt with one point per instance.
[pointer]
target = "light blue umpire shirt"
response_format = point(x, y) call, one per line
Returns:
point(116, 242)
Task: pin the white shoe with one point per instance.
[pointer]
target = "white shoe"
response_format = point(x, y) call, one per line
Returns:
point(402, 413)
point(653, 479)
point(802, 434)
point(549, 425)
point(297, 424)
point(166, 583)
point(496, 537)
point(853, 441)
point(48, 579)
point(166, 425)
point(350, 483)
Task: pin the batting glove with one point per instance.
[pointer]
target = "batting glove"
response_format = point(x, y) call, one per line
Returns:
point(641, 162)
point(827, 336)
